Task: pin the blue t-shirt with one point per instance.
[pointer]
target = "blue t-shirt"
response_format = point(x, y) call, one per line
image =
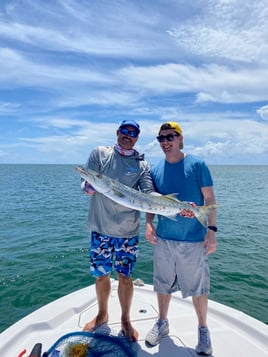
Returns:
point(184, 178)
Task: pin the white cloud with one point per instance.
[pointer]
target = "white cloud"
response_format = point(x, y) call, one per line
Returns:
point(3, 154)
point(234, 30)
point(19, 70)
point(263, 112)
point(71, 70)
point(8, 108)
point(115, 28)
point(215, 83)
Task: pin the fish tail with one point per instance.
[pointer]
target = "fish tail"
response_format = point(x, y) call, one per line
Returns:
point(203, 213)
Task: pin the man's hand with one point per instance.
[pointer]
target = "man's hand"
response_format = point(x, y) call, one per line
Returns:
point(150, 233)
point(187, 212)
point(210, 242)
point(87, 188)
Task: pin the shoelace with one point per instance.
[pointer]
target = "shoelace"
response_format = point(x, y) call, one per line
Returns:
point(158, 326)
point(204, 336)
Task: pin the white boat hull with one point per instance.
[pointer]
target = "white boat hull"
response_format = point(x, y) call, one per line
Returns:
point(233, 333)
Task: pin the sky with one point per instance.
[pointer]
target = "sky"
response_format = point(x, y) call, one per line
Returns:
point(71, 70)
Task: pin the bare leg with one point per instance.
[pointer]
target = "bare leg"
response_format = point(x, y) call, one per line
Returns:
point(103, 289)
point(125, 294)
point(201, 307)
point(163, 305)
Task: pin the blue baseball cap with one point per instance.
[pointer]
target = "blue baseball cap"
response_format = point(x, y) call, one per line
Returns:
point(130, 123)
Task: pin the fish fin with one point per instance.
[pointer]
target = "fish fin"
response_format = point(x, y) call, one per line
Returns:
point(171, 196)
point(203, 213)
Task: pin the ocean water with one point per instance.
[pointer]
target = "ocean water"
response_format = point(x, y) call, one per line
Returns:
point(44, 239)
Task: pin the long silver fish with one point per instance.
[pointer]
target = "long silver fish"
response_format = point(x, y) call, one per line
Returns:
point(165, 205)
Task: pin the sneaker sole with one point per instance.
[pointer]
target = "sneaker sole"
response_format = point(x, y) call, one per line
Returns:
point(204, 353)
point(157, 343)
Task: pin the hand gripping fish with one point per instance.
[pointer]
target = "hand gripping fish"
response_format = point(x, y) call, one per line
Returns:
point(165, 205)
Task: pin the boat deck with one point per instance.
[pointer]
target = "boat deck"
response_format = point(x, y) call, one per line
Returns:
point(233, 333)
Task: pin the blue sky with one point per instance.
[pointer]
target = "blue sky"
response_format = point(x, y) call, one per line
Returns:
point(72, 70)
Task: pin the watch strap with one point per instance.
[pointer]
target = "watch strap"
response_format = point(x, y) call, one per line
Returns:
point(213, 228)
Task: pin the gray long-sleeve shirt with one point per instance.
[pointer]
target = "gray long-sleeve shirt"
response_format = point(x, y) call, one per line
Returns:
point(106, 216)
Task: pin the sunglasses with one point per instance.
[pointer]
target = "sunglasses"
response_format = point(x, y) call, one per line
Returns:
point(132, 133)
point(169, 137)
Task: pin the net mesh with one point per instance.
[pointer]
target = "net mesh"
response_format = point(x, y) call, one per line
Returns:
point(86, 344)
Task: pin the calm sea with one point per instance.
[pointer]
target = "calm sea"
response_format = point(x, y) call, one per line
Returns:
point(44, 239)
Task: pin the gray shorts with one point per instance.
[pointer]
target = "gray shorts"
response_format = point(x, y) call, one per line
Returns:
point(181, 266)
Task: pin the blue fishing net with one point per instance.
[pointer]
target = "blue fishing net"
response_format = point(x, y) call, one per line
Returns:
point(86, 344)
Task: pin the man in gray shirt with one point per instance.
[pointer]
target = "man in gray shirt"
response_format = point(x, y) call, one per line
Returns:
point(115, 228)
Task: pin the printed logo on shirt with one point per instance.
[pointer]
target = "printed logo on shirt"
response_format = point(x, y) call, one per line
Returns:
point(131, 171)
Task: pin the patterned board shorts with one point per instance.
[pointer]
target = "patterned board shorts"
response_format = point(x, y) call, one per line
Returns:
point(104, 249)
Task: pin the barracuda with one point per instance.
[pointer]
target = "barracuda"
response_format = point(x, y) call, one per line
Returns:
point(165, 205)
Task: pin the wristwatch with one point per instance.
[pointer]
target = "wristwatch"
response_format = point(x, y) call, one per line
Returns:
point(213, 228)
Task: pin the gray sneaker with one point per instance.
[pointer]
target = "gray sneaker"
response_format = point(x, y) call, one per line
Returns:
point(204, 344)
point(160, 329)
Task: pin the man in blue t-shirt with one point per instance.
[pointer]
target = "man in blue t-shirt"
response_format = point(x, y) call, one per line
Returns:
point(183, 243)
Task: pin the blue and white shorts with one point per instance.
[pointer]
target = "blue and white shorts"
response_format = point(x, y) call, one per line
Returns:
point(104, 249)
point(181, 266)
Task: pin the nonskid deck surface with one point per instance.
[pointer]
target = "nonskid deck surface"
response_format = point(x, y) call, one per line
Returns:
point(233, 333)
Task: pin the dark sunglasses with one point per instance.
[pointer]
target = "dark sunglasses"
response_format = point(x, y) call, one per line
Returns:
point(169, 137)
point(132, 133)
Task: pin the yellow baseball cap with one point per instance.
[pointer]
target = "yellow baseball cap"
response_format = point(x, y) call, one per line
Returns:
point(171, 125)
